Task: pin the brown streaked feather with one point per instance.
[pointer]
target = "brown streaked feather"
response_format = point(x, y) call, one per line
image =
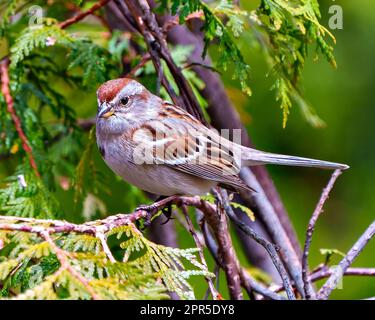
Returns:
point(186, 152)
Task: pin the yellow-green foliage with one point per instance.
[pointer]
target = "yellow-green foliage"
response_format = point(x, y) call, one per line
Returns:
point(30, 269)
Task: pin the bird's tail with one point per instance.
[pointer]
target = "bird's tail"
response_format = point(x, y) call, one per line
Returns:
point(253, 157)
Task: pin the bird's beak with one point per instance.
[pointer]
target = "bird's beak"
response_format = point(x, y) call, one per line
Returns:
point(106, 111)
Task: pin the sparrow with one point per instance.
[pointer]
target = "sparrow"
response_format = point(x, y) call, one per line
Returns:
point(162, 149)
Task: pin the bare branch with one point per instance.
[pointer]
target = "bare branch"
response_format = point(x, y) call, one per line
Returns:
point(324, 272)
point(229, 261)
point(346, 262)
point(263, 242)
point(4, 74)
point(83, 14)
point(267, 213)
point(214, 293)
point(247, 281)
point(146, 58)
point(103, 240)
point(310, 230)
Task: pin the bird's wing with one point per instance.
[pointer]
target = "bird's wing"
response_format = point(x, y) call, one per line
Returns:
point(190, 147)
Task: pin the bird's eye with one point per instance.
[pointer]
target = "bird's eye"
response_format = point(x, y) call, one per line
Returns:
point(124, 101)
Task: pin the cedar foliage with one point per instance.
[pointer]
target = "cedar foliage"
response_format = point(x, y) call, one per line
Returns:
point(44, 59)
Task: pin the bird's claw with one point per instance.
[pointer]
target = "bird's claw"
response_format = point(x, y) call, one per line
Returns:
point(167, 211)
point(149, 210)
point(164, 204)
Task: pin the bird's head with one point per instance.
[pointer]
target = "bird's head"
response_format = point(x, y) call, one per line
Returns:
point(123, 103)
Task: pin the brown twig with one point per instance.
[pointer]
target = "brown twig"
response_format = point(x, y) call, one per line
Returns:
point(270, 247)
point(74, 8)
point(146, 58)
point(168, 25)
point(5, 89)
point(324, 272)
point(216, 219)
point(277, 233)
point(214, 293)
point(247, 281)
point(38, 226)
point(83, 14)
point(346, 262)
point(310, 230)
point(103, 240)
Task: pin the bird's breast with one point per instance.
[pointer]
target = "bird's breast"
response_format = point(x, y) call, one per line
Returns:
point(154, 178)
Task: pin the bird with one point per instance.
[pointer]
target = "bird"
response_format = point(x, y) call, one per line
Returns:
point(162, 149)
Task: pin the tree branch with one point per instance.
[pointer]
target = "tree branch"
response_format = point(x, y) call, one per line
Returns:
point(325, 272)
point(83, 14)
point(346, 262)
point(270, 248)
point(310, 230)
point(247, 281)
point(216, 218)
point(214, 293)
point(4, 75)
point(279, 236)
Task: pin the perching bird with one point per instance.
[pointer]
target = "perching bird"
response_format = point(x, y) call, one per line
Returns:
point(162, 149)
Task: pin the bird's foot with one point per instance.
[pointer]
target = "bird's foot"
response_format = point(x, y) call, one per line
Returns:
point(167, 211)
point(163, 203)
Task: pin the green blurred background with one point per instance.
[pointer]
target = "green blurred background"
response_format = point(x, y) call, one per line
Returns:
point(343, 99)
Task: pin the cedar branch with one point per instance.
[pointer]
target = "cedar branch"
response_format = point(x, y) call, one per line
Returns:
point(5, 89)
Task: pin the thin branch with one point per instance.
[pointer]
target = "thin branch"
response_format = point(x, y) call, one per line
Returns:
point(38, 226)
point(214, 293)
point(325, 272)
point(175, 21)
point(217, 220)
point(247, 281)
point(278, 234)
point(83, 14)
point(310, 230)
point(270, 248)
point(77, 9)
point(4, 74)
point(103, 240)
point(153, 46)
point(346, 262)
point(146, 58)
